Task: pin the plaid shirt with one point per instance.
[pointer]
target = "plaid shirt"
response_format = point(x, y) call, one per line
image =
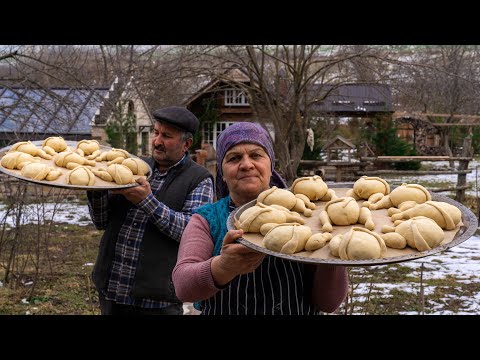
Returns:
point(127, 249)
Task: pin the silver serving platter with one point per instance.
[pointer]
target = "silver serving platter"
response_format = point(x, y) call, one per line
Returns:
point(61, 181)
point(322, 256)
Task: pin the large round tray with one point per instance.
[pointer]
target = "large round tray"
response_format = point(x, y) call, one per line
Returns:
point(61, 181)
point(462, 232)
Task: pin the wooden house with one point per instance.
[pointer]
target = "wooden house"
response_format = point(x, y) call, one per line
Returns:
point(225, 104)
point(339, 149)
point(219, 104)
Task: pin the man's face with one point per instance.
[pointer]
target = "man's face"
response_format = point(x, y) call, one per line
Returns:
point(168, 147)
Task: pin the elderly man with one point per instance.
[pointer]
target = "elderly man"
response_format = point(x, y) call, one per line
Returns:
point(143, 224)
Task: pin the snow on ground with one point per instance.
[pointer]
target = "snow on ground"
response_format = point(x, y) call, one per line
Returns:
point(441, 165)
point(455, 261)
point(462, 261)
point(71, 212)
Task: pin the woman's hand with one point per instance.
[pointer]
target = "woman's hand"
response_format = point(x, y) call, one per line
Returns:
point(234, 259)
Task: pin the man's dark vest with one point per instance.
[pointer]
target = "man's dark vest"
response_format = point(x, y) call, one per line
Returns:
point(158, 252)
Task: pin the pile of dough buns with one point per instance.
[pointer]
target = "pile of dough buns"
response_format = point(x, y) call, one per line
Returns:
point(81, 162)
point(419, 222)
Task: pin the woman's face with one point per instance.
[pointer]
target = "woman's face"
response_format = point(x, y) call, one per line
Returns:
point(247, 171)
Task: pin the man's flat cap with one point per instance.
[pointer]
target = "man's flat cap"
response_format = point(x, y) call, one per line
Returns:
point(179, 117)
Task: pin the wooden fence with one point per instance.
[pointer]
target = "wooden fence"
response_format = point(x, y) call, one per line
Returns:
point(346, 170)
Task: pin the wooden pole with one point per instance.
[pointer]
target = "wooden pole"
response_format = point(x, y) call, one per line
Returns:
point(463, 165)
point(338, 174)
point(476, 192)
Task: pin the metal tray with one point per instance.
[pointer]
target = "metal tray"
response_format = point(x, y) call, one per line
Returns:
point(462, 232)
point(61, 181)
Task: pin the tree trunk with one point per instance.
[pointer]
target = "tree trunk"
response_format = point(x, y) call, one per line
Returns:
point(446, 147)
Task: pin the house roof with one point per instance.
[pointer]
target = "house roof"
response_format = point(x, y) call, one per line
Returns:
point(352, 98)
point(337, 139)
point(235, 74)
point(203, 90)
point(49, 111)
point(345, 99)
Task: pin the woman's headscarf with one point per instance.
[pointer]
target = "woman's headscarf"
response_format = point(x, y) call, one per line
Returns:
point(238, 133)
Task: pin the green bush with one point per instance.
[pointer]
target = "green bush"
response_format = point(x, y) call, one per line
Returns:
point(211, 115)
point(383, 135)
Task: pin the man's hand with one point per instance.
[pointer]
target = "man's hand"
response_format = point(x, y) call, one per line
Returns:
point(136, 194)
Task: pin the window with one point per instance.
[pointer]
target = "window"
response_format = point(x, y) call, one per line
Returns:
point(235, 98)
point(210, 131)
point(131, 107)
point(374, 103)
point(342, 102)
point(207, 133)
point(406, 133)
point(432, 140)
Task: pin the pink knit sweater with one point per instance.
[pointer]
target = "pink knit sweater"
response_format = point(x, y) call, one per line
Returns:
point(193, 279)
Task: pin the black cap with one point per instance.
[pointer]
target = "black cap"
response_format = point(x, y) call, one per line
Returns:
point(179, 117)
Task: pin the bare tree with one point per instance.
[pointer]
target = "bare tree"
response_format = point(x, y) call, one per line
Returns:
point(151, 70)
point(284, 82)
point(439, 80)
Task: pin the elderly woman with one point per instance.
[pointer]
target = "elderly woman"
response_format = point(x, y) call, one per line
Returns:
point(229, 278)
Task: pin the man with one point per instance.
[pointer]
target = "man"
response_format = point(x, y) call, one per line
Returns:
point(143, 224)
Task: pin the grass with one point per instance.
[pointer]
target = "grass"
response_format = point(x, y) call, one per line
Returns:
point(403, 294)
point(63, 284)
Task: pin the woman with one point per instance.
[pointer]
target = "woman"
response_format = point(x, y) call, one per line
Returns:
point(230, 278)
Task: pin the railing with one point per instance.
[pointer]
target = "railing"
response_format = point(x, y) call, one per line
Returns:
point(461, 171)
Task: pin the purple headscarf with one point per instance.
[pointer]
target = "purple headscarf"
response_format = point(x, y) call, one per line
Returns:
point(238, 133)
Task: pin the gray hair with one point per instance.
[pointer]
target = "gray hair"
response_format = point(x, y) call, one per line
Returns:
point(186, 135)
